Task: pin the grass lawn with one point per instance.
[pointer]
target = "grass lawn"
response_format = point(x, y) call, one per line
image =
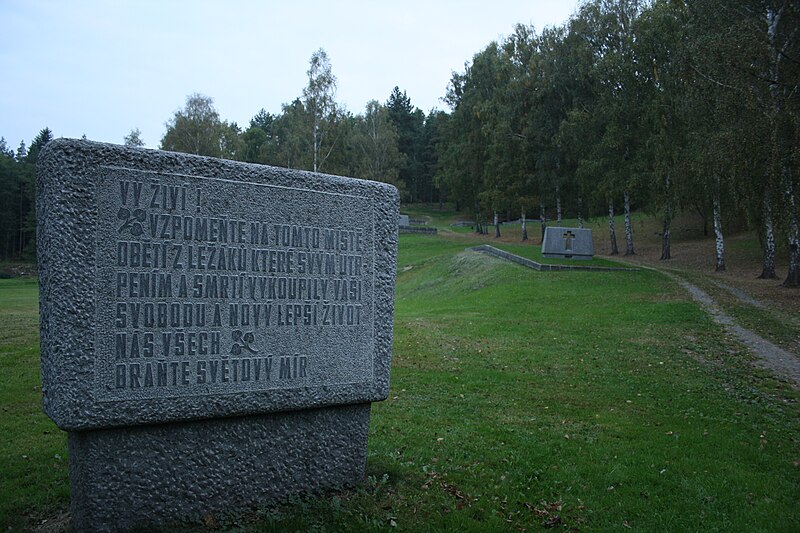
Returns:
point(33, 473)
point(593, 401)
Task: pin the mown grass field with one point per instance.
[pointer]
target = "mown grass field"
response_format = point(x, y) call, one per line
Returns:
point(520, 400)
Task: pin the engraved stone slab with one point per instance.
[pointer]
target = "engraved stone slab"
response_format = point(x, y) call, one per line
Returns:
point(567, 243)
point(177, 287)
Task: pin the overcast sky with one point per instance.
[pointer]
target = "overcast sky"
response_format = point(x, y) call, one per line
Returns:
point(104, 67)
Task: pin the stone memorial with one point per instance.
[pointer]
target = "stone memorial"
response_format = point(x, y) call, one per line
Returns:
point(403, 220)
point(567, 243)
point(212, 332)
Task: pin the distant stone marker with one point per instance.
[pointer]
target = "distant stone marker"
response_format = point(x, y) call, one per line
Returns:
point(404, 225)
point(212, 332)
point(568, 243)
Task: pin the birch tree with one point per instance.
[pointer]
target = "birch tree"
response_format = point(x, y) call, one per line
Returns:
point(195, 129)
point(134, 138)
point(628, 225)
point(782, 34)
point(376, 142)
point(319, 100)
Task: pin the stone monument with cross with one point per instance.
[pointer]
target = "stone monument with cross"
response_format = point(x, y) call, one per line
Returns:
point(567, 243)
point(212, 332)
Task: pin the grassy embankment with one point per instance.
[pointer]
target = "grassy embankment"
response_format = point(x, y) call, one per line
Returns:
point(777, 318)
point(585, 400)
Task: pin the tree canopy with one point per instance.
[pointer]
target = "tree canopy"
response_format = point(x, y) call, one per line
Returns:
point(657, 105)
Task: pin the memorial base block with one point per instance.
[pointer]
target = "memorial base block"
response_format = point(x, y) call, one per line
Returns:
point(135, 477)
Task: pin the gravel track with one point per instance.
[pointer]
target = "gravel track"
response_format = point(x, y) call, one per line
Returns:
point(769, 356)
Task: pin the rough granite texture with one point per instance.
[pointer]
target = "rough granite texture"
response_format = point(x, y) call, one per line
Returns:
point(150, 476)
point(578, 246)
point(191, 385)
point(81, 226)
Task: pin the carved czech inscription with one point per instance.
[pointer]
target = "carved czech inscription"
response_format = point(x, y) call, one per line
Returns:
point(209, 286)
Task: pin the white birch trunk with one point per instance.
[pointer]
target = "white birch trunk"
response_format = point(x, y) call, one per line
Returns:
point(628, 228)
point(665, 236)
point(768, 267)
point(315, 143)
point(558, 204)
point(793, 278)
point(612, 229)
point(496, 225)
point(719, 243)
point(580, 211)
point(524, 226)
point(779, 151)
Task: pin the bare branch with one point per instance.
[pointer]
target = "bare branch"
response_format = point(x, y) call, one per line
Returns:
point(712, 80)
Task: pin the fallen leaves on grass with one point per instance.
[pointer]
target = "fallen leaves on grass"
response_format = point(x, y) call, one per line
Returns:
point(553, 521)
point(549, 512)
point(462, 500)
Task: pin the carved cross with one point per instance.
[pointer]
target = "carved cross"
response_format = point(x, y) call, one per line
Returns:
point(568, 236)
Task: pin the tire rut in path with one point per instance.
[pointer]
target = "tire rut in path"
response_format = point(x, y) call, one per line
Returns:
point(768, 356)
point(740, 295)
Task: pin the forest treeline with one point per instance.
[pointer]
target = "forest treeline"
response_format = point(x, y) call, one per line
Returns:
point(18, 197)
point(662, 106)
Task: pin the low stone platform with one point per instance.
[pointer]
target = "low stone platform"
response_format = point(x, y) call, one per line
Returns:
point(491, 250)
point(414, 229)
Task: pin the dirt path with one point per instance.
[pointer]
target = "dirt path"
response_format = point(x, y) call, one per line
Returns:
point(770, 357)
point(691, 254)
point(740, 294)
point(784, 365)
